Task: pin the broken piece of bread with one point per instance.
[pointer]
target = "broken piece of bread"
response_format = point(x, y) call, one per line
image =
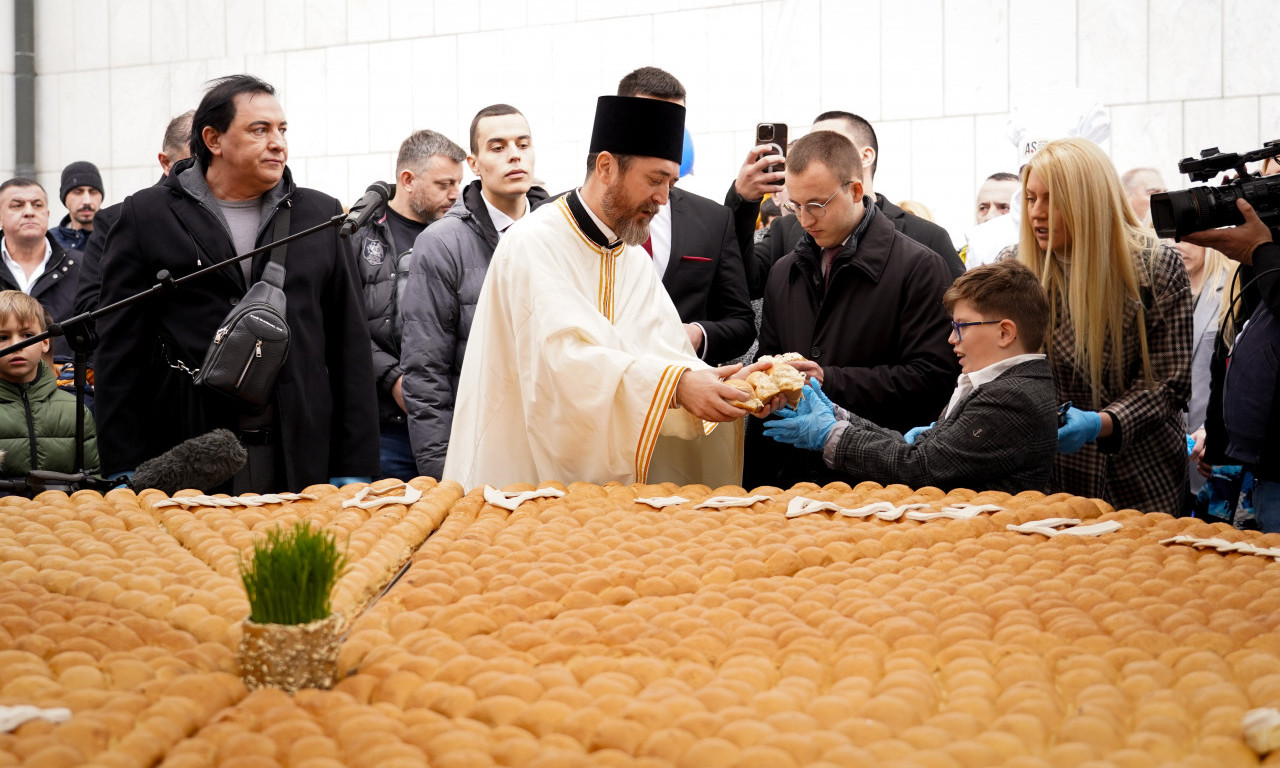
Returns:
point(780, 378)
point(752, 403)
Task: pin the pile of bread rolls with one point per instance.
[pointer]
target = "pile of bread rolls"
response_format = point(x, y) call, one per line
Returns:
point(597, 630)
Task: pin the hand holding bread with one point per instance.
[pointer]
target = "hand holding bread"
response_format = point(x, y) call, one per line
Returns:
point(771, 383)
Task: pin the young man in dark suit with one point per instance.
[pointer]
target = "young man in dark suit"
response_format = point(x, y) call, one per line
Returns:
point(1000, 429)
point(694, 248)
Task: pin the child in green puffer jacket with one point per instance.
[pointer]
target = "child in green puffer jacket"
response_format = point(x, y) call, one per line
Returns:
point(37, 420)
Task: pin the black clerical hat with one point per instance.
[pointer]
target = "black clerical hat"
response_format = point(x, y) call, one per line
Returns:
point(630, 125)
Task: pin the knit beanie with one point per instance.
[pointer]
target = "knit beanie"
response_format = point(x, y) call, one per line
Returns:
point(79, 174)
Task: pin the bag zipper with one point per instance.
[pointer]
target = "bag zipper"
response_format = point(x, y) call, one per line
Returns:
point(257, 352)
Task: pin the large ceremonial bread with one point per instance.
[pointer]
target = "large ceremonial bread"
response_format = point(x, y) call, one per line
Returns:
point(781, 378)
point(595, 629)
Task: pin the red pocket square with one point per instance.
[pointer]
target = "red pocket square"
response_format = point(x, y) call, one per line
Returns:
point(694, 258)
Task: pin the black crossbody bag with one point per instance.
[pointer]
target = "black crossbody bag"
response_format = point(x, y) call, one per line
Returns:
point(252, 342)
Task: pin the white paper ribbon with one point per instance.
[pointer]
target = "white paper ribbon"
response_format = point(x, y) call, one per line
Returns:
point(233, 501)
point(1052, 527)
point(12, 717)
point(361, 500)
point(723, 502)
point(887, 510)
point(658, 502)
point(955, 512)
point(512, 500)
point(1224, 546)
point(1261, 729)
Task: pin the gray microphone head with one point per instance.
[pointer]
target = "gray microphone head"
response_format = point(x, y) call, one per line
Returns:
point(385, 191)
point(202, 463)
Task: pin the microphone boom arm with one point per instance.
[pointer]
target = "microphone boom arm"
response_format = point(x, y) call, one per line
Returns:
point(79, 333)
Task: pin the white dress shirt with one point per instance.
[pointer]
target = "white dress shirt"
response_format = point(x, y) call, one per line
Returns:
point(967, 383)
point(20, 274)
point(500, 220)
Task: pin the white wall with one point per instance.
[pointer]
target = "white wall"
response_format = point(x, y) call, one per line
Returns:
point(7, 154)
point(936, 77)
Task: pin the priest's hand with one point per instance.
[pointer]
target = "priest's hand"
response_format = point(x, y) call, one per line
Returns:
point(777, 403)
point(753, 181)
point(703, 394)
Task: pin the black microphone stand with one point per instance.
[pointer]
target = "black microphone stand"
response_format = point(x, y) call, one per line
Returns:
point(83, 338)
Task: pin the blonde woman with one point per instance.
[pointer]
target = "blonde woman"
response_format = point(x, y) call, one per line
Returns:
point(1211, 275)
point(1120, 331)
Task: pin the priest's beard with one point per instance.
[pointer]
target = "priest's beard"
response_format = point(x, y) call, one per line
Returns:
point(622, 216)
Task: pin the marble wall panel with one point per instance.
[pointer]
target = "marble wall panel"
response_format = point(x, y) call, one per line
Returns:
point(1185, 49)
point(849, 67)
point(976, 50)
point(1112, 38)
point(1229, 124)
point(911, 59)
point(169, 31)
point(246, 27)
point(206, 29)
point(128, 30)
point(1042, 47)
point(1250, 57)
point(325, 22)
point(941, 170)
point(1148, 136)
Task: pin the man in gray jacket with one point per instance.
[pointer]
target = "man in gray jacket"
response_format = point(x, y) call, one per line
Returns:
point(447, 269)
point(428, 176)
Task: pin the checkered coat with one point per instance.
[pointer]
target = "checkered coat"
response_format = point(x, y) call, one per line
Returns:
point(1146, 467)
point(1002, 437)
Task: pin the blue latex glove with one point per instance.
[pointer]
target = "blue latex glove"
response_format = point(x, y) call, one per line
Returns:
point(341, 481)
point(815, 389)
point(1081, 427)
point(806, 426)
point(915, 432)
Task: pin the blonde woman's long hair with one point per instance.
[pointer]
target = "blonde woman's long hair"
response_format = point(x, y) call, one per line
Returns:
point(1096, 275)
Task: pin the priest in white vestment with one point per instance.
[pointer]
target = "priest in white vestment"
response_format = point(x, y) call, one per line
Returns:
point(578, 366)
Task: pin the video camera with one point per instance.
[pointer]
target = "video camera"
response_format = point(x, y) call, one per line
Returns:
point(1176, 214)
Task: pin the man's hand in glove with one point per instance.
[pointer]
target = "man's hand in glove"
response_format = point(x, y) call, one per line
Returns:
point(1081, 427)
point(915, 432)
point(806, 426)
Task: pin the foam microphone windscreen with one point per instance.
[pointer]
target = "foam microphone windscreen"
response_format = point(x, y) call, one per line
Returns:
point(202, 463)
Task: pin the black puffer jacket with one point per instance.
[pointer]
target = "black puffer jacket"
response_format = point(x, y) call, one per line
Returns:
point(446, 272)
point(382, 272)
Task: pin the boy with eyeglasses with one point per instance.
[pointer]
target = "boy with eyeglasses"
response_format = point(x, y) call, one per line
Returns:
point(1000, 429)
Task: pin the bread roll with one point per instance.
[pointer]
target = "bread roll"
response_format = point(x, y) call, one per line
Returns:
point(752, 403)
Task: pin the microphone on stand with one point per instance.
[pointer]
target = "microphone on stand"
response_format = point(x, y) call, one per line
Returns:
point(374, 198)
point(201, 462)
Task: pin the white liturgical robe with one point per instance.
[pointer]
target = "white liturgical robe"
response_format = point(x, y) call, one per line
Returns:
point(572, 363)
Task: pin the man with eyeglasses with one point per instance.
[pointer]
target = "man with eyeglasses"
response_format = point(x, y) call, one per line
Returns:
point(861, 301)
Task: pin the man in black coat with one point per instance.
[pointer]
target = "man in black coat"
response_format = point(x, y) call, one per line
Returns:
point(861, 301)
point(321, 419)
point(782, 237)
point(693, 245)
point(175, 146)
point(48, 272)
